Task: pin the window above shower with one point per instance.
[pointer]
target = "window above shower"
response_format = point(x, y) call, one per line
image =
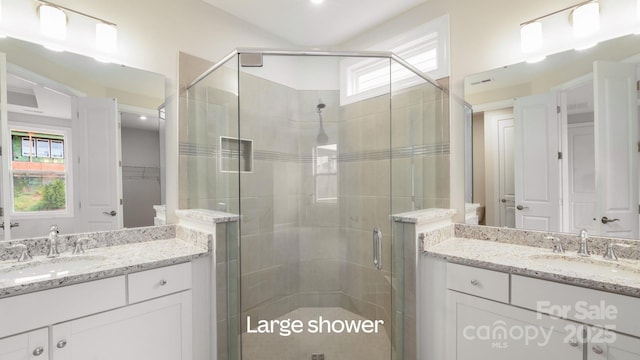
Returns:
point(426, 47)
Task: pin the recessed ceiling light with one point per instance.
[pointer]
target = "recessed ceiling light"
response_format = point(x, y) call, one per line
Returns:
point(317, 2)
point(142, 117)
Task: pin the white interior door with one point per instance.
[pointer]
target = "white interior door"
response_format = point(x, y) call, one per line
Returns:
point(99, 163)
point(616, 142)
point(581, 189)
point(537, 167)
point(506, 186)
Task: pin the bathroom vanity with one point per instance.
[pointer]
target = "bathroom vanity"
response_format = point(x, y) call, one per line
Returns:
point(497, 293)
point(133, 294)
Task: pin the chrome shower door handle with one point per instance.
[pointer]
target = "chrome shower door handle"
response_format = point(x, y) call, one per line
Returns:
point(377, 248)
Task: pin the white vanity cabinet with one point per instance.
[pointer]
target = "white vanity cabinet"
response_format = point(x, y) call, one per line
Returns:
point(139, 316)
point(495, 315)
point(33, 345)
point(158, 329)
point(484, 329)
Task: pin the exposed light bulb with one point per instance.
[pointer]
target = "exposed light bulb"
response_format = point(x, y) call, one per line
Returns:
point(53, 22)
point(317, 2)
point(142, 117)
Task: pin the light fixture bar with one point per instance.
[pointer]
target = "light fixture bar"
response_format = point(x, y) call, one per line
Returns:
point(76, 12)
point(572, 7)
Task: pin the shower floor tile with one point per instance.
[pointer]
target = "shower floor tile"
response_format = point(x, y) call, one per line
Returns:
point(334, 346)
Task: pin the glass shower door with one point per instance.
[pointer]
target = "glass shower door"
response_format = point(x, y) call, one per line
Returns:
point(315, 204)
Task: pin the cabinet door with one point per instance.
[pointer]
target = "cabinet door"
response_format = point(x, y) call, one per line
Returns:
point(483, 329)
point(158, 329)
point(616, 347)
point(33, 345)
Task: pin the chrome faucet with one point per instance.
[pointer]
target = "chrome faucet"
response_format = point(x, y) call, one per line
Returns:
point(584, 249)
point(53, 241)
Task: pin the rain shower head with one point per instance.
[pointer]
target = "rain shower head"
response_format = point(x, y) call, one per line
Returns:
point(322, 138)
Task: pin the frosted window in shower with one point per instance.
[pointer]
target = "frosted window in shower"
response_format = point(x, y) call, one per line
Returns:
point(325, 169)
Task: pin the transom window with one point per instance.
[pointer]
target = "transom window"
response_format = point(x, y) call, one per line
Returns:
point(425, 47)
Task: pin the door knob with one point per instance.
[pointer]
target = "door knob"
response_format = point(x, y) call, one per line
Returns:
point(110, 213)
point(606, 220)
point(520, 207)
point(504, 200)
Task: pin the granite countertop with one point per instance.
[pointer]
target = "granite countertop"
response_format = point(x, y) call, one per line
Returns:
point(96, 263)
point(621, 277)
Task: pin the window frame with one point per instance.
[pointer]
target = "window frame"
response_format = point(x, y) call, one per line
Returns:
point(434, 35)
point(329, 174)
point(65, 132)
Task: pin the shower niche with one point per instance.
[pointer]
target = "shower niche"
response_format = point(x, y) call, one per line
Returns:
point(339, 143)
point(236, 155)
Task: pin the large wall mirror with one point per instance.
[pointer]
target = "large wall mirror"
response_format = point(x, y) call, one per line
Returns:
point(553, 145)
point(82, 142)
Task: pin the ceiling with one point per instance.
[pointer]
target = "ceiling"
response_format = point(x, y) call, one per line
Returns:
point(309, 25)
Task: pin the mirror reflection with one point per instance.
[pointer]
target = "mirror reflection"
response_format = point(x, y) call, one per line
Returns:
point(553, 145)
point(83, 143)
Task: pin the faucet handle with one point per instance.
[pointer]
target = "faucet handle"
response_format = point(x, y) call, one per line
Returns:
point(557, 244)
point(80, 243)
point(24, 252)
point(610, 254)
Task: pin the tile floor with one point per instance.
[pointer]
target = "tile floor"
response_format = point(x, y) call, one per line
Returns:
point(343, 346)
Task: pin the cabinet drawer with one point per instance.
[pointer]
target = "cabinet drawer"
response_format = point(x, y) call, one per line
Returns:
point(588, 306)
point(29, 311)
point(488, 284)
point(158, 282)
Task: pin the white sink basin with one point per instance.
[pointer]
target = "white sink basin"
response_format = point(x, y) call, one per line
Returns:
point(592, 264)
point(46, 268)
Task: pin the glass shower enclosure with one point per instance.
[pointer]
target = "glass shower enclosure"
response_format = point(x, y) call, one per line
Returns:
point(315, 151)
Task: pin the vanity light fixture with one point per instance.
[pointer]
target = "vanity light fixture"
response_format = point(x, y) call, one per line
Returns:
point(53, 21)
point(637, 32)
point(531, 37)
point(106, 37)
point(2, 35)
point(586, 22)
point(585, 18)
